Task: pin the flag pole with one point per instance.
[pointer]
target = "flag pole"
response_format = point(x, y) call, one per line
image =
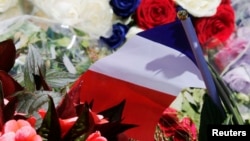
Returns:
point(199, 57)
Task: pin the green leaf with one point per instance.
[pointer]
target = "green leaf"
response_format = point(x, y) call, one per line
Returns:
point(40, 82)
point(50, 128)
point(114, 113)
point(192, 103)
point(33, 62)
point(226, 96)
point(50, 33)
point(60, 79)
point(79, 32)
point(85, 43)
point(83, 126)
point(83, 66)
point(64, 41)
point(30, 103)
point(210, 115)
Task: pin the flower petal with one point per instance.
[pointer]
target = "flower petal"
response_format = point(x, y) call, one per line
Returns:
point(10, 136)
point(25, 133)
point(11, 126)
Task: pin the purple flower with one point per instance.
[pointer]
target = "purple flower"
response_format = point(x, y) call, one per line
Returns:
point(238, 78)
point(118, 37)
point(124, 8)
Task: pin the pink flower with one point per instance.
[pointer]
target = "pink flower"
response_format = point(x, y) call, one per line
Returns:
point(190, 127)
point(96, 136)
point(229, 52)
point(19, 130)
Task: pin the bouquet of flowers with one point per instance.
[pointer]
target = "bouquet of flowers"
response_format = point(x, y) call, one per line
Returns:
point(51, 47)
point(43, 114)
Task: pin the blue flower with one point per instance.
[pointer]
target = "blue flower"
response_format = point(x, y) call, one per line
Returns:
point(118, 37)
point(124, 8)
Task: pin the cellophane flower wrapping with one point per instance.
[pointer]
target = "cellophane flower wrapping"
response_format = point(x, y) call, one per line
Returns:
point(230, 58)
point(65, 51)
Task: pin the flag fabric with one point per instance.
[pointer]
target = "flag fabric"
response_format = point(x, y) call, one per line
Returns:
point(149, 71)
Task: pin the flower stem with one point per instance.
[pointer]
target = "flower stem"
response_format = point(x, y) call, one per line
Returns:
point(226, 96)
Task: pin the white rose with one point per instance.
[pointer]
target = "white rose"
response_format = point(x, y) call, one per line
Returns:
point(66, 12)
point(199, 8)
point(63, 11)
point(7, 4)
point(92, 16)
point(97, 17)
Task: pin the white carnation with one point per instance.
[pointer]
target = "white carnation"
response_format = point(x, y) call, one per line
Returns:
point(199, 8)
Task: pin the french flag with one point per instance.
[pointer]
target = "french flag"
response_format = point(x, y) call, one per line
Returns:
point(149, 71)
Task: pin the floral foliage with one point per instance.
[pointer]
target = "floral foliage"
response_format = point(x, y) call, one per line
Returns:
point(177, 130)
point(180, 121)
point(54, 123)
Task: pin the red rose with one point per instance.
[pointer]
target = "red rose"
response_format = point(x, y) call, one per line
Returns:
point(169, 121)
point(184, 130)
point(174, 129)
point(219, 26)
point(151, 13)
point(181, 134)
point(190, 127)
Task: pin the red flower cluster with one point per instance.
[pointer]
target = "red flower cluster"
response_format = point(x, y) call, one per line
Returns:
point(68, 120)
point(219, 26)
point(177, 130)
point(151, 13)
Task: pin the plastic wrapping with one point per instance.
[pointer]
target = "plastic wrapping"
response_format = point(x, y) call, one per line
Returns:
point(60, 47)
point(231, 58)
